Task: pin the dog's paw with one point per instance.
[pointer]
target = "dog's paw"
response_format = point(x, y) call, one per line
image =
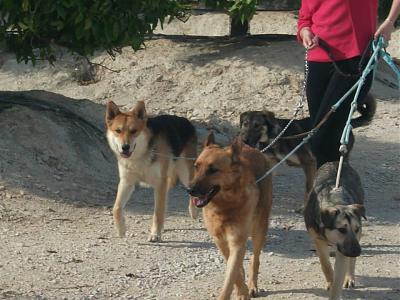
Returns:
point(121, 234)
point(121, 230)
point(253, 292)
point(328, 287)
point(243, 297)
point(154, 238)
point(349, 283)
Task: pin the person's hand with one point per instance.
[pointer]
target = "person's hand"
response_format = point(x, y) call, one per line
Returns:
point(310, 41)
point(385, 30)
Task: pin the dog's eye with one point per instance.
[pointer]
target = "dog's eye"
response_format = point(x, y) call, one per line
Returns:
point(212, 170)
point(118, 130)
point(133, 131)
point(342, 230)
point(257, 125)
point(357, 230)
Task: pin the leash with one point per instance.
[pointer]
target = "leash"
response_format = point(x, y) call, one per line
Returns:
point(378, 47)
point(371, 66)
point(305, 140)
point(299, 108)
point(324, 46)
point(383, 54)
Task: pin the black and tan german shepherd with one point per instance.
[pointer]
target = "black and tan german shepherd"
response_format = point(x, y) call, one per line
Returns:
point(258, 128)
point(235, 207)
point(333, 218)
point(150, 150)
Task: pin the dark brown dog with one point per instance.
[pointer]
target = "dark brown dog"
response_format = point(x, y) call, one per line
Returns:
point(258, 128)
point(235, 207)
point(333, 217)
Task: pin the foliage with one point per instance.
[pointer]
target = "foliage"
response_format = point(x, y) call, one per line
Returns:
point(239, 10)
point(30, 28)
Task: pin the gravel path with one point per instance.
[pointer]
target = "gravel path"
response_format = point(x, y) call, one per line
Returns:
point(56, 234)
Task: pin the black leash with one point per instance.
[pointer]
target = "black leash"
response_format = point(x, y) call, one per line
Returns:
point(367, 52)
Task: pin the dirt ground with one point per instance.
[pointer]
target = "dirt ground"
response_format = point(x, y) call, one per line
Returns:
point(58, 178)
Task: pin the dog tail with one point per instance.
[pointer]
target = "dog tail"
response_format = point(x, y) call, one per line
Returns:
point(367, 109)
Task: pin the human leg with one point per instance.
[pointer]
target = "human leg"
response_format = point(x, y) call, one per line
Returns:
point(326, 142)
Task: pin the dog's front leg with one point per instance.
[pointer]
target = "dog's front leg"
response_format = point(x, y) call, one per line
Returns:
point(323, 254)
point(258, 238)
point(160, 199)
point(125, 190)
point(349, 281)
point(233, 275)
point(341, 265)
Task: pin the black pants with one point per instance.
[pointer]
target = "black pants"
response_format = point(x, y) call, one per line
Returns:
point(325, 86)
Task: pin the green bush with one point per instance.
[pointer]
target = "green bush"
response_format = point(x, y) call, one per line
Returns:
point(31, 27)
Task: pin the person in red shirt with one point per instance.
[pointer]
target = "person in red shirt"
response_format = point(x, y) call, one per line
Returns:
point(344, 28)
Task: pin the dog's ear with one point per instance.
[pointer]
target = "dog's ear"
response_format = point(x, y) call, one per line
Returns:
point(112, 111)
point(236, 149)
point(268, 115)
point(328, 217)
point(242, 117)
point(210, 139)
point(359, 210)
point(140, 110)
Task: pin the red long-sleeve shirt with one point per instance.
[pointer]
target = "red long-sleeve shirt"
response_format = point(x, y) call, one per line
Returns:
point(345, 25)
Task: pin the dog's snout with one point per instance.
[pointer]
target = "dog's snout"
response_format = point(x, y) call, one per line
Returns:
point(195, 191)
point(192, 190)
point(125, 147)
point(350, 248)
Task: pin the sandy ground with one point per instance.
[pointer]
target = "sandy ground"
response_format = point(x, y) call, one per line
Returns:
point(58, 183)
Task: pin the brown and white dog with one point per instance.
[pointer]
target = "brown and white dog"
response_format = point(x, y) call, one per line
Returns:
point(333, 218)
point(147, 151)
point(235, 207)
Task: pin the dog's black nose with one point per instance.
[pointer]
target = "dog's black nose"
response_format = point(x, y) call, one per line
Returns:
point(193, 190)
point(125, 147)
point(350, 248)
point(190, 190)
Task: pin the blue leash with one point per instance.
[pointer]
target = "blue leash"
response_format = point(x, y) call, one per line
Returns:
point(378, 49)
